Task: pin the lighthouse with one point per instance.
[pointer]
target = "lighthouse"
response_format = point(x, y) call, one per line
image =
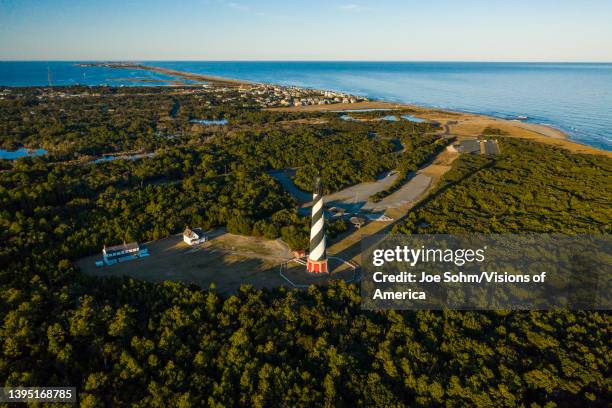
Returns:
point(317, 258)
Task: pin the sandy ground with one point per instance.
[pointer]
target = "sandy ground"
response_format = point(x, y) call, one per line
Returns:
point(466, 124)
point(227, 260)
point(440, 165)
point(186, 75)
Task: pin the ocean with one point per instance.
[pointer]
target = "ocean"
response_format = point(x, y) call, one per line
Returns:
point(573, 97)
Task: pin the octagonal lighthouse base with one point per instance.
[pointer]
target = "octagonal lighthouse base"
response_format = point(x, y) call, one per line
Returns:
point(317, 266)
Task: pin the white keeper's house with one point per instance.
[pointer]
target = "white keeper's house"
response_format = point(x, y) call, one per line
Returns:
point(121, 253)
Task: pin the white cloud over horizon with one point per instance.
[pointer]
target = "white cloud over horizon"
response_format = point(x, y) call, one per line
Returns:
point(352, 7)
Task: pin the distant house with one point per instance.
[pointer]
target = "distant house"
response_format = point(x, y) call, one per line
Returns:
point(121, 253)
point(193, 237)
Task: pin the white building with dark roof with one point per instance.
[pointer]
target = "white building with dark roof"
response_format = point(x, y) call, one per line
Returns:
point(121, 253)
point(193, 236)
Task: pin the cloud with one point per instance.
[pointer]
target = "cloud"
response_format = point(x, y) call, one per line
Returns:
point(245, 9)
point(356, 8)
point(238, 7)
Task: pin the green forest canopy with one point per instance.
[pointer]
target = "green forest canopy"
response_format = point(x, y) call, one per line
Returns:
point(127, 342)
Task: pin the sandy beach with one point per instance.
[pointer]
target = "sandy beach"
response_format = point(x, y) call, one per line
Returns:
point(185, 75)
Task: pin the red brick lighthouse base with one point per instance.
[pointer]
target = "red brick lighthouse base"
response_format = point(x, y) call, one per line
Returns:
point(317, 266)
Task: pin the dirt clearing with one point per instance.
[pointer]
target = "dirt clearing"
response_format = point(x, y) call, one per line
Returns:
point(227, 260)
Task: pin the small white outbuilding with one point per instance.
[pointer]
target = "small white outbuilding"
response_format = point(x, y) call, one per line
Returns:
point(193, 237)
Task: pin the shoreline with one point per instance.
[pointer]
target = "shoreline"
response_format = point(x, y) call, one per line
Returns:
point(456, 123)
point(215, 80)
point(468, 124)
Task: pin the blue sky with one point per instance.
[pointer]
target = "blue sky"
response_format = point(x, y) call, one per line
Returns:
point(465, 30)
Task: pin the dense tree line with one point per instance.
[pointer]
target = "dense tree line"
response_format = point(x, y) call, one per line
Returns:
point(529, 187)
point(126, 342)
point(72, 122)
point(86, 122)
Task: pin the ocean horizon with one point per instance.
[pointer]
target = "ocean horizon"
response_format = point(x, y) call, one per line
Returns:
point(574, 97)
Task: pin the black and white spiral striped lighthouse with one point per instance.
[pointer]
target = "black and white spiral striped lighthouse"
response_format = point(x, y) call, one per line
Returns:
point(317, 258)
